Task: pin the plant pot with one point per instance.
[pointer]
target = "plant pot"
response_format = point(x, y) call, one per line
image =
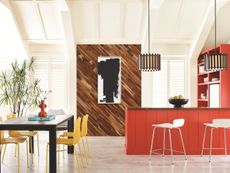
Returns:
point(42, 113)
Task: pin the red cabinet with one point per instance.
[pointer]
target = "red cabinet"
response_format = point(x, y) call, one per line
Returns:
point(139, 128)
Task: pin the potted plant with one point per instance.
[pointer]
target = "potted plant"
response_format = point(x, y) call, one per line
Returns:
point(17, 89)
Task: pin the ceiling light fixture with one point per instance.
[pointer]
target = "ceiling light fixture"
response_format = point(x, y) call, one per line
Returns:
point(216, 60)
point(149, 61)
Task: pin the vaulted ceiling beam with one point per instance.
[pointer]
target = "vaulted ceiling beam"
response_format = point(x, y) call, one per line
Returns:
point(38, 11)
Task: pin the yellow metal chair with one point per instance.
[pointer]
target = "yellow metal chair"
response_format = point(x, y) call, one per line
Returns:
point(17, 133)
point(84, 131)
point(13, 140)
point(69, 142)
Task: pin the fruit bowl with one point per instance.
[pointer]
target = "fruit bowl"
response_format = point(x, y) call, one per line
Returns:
point(178, 103)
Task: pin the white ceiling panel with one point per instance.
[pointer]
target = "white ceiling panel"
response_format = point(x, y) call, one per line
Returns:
point(28, 20)
point(190, 18)
point(222, 30)
point(114, 21)
point(133, 28)
point(84, 19)
point(168, 14)
point(110, 20)
point(52, 20)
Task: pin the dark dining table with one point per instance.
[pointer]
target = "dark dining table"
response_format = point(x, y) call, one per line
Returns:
point(22, 123)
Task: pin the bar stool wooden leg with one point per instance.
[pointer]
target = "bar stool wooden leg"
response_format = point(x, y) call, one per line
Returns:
point(151, 146)
point(225, 144)
point(164, 144)
point(210, 153)
point(171, 150)
point(182, 142)
point(203, 143)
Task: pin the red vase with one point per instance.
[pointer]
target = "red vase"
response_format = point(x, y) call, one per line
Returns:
point(42, 113)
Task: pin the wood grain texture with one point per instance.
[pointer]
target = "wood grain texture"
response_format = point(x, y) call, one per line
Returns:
point(107, 119)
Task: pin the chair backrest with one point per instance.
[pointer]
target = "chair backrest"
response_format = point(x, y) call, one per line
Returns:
point(84, 127)
point(56, 112)
point(77, 128)
point(222, 123)
point(11, 116)
point(1, 131)
point(178, 123)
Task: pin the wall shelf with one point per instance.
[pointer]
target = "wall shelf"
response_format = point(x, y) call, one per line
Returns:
point(214, 82)
point(203, 100)
point(200, 84)
point(202, 74)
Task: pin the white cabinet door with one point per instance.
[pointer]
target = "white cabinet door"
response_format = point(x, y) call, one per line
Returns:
point(215, 95)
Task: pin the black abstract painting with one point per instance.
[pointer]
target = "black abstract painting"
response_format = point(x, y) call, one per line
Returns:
point(109, 80)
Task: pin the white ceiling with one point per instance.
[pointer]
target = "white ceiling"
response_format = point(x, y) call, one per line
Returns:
point(176, 20)
point(117, 21)
point(222, 28)
point(38, 20)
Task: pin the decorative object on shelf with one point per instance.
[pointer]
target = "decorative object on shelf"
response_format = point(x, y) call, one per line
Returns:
point(149, 61)
point(202, 96)
point(205, 79)
point(109, 80)
point(201, 69)
point(215, 79)
point(215, 61)
point(43, 113)
point(178, 101)
point(17, 90)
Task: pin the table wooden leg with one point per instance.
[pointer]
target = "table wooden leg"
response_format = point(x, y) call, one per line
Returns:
point(70, 129)
point(31, 144)
point(52, 152)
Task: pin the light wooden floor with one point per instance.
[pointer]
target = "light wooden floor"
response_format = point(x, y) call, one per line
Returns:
point(108, 156)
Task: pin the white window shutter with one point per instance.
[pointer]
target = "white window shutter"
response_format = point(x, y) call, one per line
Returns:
point(168, 82)
point(177, 78)
point(53, 75)
point(160, 85)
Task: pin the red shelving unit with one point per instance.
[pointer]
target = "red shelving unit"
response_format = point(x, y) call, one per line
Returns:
point(205, 79)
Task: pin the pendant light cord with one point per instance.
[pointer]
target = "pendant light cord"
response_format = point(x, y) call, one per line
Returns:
point(148, 26)
point(215, 19)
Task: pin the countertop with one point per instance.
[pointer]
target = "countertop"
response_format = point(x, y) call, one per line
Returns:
point(145, 108)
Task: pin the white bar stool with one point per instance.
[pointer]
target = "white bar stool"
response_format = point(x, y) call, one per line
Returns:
point(177, 123)
point(216, 123)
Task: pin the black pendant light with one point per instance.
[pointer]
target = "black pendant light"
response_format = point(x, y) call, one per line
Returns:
point(215, 61)
point(149, 61)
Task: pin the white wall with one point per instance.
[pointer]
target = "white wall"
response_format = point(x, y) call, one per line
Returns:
point(12, 46)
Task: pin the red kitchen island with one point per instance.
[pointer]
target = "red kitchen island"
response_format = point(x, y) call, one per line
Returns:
point(139, 129)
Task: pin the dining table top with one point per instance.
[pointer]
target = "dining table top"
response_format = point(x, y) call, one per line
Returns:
point(24, 123)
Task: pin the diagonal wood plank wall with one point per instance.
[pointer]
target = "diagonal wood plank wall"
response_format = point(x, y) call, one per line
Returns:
point(107, 119)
